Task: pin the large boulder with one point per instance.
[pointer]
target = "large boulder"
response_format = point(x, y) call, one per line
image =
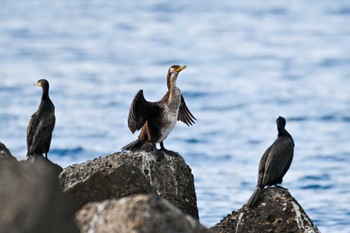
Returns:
point(136, 214)
point(277, 211)
point(123, 174)
point(31, 200)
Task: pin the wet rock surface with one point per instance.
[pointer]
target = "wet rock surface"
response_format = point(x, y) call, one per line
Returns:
point(31, 200)
point(276, 211)
point(136, 214)
point(132, 173)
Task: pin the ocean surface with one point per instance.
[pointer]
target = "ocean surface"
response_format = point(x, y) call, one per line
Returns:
point(248, 63)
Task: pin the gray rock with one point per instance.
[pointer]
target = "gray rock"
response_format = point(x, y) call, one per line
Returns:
point(107, 183)
point(31, 200)
point(5, 153)
point(122, 174)
point(136, 214)
point(277, 211)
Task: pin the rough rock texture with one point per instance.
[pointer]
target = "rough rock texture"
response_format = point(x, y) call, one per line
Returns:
point(5, 153)
point(136, 214)
point(31, 200)
point(124, 174)
point(114, 182)
point(277, 211)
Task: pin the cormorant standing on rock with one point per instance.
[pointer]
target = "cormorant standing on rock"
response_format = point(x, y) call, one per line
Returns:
point(275, 162)
point(41, 124)
point(157, 119)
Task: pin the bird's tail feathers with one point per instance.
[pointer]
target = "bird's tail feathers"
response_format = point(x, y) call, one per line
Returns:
point(255, 197)
point(133, 146)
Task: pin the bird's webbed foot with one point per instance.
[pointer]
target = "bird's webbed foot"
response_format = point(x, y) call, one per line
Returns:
point(171, 153)
point(151, 148)
point(168, 152)
point(160, 155)
point(279, 186)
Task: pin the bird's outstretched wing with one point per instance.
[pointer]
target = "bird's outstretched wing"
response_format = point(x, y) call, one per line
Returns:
point(140, 111)
point(184, 113)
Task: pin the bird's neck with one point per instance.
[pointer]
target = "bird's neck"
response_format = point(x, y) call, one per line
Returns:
point(282, 132)
point(171, 81)
point(172, 88)
point(45, 94)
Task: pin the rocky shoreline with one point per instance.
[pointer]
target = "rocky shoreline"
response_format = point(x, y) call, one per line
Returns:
point(126, 192)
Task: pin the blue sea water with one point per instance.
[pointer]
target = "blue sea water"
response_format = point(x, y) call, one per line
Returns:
point(248, 62)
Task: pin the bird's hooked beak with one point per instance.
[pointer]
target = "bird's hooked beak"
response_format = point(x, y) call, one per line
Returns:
point(180, 68)
point(37, 84)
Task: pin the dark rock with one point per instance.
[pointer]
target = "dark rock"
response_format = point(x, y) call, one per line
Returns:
point(31, 200)
point(99, 179)
point(277, 211)
point(137, 214)
point(5, 153)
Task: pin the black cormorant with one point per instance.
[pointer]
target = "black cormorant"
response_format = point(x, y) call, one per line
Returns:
point(41, 124)
point(157, 119)
point(275, 162)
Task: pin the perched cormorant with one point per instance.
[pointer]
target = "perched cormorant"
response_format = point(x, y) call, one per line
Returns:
point(275, 162)
point(41, 124)
point(157, 119)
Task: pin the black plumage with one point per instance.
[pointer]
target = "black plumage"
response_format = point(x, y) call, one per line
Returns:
point(157, 119)
point(275, 162)
point(41, 124)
